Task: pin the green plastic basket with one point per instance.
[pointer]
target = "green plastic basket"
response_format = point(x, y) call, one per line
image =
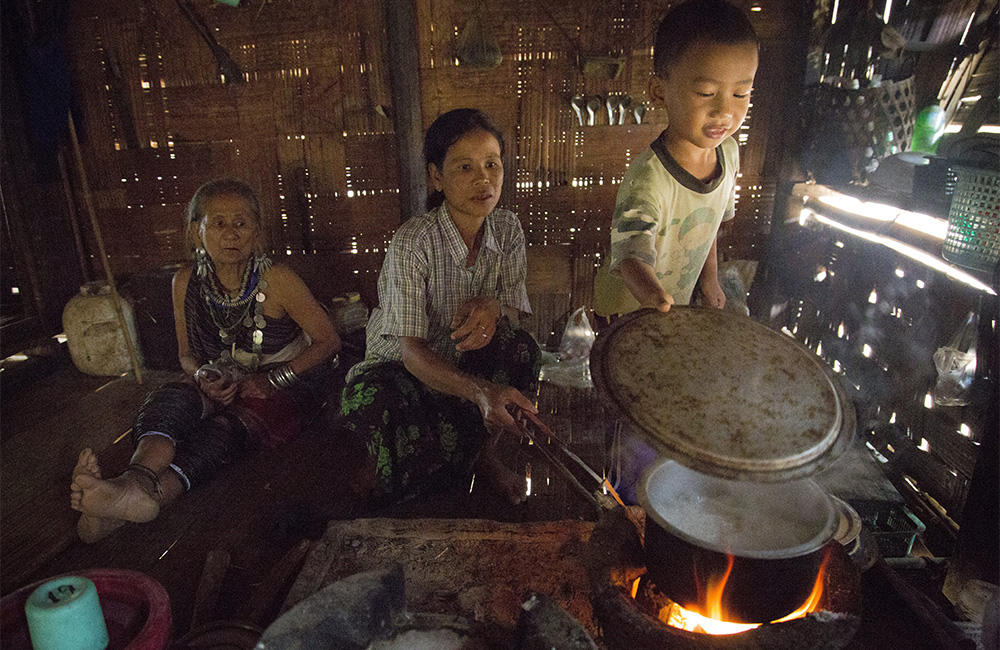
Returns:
point(892, 525)
point(973, 239)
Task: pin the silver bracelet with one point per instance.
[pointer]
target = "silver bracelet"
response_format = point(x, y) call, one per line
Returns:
point(282, 377)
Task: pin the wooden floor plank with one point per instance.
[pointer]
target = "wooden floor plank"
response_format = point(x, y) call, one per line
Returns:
point(45, 427)
point(259, 509)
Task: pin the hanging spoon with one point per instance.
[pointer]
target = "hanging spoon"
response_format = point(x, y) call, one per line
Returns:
point(592, 107)
point(611, 103)
point(624, 103)
point(639, 110)
point(577, 104)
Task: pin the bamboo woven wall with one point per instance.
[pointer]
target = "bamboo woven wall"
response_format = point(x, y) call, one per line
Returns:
point(310, 123)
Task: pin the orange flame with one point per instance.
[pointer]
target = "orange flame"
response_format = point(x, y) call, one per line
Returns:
point(711, 619)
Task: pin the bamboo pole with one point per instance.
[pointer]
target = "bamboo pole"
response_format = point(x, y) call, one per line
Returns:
point(73, 219)
point(115, 298)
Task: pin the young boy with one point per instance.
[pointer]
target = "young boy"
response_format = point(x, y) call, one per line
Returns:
point(677, 192)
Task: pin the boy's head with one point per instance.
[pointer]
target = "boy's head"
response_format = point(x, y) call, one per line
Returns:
point(704, 63)
point(714, 21)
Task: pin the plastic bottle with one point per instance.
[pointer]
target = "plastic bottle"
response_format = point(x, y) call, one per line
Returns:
point(96, 343)
point(350, 313)
point(927, 129)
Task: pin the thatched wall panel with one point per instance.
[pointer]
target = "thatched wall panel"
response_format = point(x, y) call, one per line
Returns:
point(311, 124)
point(96, 122)
point(325, 158)
point(202, 113)
point(369, 168)
point(186, 58)
point(161, 227)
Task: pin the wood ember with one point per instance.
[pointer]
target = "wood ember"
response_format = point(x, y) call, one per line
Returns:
point(479, 569)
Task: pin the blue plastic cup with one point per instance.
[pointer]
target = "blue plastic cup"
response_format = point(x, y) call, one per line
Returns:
point(65, 614)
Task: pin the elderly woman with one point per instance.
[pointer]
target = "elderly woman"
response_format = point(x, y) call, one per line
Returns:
point(255, 348)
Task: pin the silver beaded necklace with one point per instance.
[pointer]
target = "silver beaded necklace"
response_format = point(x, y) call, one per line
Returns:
point(230, 313)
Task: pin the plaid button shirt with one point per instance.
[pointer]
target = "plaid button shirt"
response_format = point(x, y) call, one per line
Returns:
point(424, 281)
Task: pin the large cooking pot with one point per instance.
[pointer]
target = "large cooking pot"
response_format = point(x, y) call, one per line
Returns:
point(745, 414)
point(775, 533)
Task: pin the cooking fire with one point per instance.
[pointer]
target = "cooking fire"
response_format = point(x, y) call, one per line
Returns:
point(710, 616)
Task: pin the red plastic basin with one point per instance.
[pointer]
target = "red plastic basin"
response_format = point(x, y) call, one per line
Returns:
point(136, 609)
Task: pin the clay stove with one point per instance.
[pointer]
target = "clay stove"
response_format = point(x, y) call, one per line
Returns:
point(629, 608)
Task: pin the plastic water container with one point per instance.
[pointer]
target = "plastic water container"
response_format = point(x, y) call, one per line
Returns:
point(96, 343)
point(927, 129)
point(350, 314)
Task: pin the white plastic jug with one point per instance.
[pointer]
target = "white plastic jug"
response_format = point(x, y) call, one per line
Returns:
point(96, 343)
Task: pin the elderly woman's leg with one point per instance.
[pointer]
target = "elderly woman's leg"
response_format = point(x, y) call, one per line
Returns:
point(136, 495)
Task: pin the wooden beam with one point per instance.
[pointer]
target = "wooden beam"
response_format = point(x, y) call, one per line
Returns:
point(407, 120)
point(116, 300)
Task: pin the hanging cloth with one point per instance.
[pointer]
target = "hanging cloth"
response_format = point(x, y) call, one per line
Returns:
point(477, 46)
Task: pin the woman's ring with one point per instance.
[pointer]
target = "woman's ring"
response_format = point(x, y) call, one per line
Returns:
point(484, 336)
point(482, 327)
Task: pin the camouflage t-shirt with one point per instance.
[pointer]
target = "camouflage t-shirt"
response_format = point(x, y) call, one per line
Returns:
point(668, 219)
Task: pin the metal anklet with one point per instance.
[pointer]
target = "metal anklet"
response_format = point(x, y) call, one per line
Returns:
point(152, 481)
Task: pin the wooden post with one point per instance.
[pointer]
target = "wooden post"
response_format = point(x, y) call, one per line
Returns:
point(116, 300)
point(407, 119)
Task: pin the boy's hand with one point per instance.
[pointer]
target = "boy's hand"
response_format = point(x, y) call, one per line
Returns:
point(712, 292)
point(641, 281)
point(665, 303)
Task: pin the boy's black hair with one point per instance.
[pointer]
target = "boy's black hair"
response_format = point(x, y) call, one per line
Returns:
point(715, 21)
point(448, 129)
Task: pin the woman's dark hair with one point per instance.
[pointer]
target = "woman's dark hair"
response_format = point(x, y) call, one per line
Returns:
point(448, 129)
point(211, 190)
point(715, 21)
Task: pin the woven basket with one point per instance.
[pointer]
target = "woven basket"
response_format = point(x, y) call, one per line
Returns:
point(973, 239)
point(852, 130)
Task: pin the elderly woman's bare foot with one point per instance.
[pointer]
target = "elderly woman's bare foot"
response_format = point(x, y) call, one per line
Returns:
point(511, 485)
point(107, 504)
point(89, 528)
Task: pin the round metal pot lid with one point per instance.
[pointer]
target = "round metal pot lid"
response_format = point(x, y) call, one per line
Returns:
point(722, 393)
point(742, 518)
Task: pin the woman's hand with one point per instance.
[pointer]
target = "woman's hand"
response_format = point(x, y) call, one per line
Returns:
point(218, 388)
point(475, 323)
point(493, 401)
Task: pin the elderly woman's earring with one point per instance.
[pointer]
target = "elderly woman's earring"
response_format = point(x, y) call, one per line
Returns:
point(203, 263)
point(261, 263)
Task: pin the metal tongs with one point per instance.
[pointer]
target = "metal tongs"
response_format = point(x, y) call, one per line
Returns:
point(602, 500)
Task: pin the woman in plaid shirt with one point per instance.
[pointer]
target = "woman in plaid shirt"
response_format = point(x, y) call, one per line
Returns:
point(445, 362)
